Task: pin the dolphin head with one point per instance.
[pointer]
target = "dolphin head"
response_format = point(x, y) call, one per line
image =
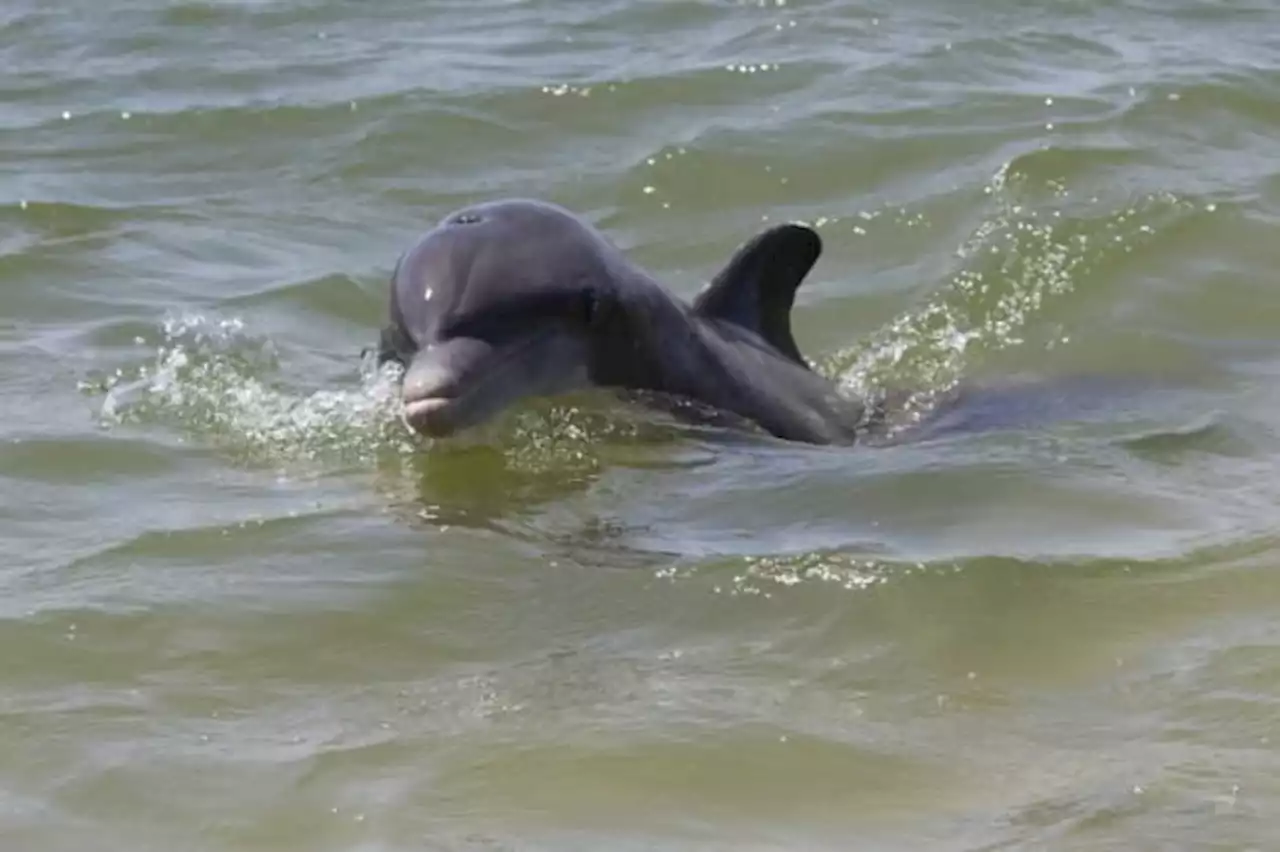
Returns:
point(496, 303)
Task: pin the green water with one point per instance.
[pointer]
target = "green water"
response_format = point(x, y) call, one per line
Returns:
point(241, 610)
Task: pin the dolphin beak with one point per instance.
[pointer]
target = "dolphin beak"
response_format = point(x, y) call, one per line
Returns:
point(454, 384)
point(429, 417)
point(433, 388)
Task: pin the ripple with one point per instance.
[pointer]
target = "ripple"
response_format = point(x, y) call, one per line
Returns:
point(339, 297)
point(67, 460)
point(1212, 433)
point(176, 569)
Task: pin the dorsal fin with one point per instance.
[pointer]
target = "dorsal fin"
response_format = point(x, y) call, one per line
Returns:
point(757, 287)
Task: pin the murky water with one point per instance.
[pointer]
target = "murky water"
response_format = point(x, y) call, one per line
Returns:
point(243, 609)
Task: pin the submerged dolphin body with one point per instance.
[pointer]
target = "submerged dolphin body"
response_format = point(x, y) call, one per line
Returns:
point(512, 299)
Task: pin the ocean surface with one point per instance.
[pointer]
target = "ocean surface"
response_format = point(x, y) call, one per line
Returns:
point(241, 608)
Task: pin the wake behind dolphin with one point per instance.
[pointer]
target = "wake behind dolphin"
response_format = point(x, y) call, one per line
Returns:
point(512, 299)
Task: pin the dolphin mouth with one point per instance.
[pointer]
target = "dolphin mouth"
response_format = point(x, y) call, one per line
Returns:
point(454, 385)
point(430, 416)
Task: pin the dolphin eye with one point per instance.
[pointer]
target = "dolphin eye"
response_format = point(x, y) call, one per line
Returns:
point(588, 306)
point(466, 219)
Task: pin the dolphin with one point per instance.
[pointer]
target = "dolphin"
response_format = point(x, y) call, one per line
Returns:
point(511, 299)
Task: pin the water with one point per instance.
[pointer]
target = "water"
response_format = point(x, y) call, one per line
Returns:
point(241, 609)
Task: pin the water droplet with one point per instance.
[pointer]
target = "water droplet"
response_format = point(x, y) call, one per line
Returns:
point(66, 116)
point(426, 297)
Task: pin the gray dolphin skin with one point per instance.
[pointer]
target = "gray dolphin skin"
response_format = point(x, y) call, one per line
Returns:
point(512, 299)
